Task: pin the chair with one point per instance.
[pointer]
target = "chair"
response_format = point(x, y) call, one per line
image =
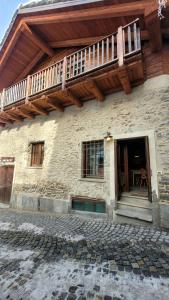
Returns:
point(143, 177)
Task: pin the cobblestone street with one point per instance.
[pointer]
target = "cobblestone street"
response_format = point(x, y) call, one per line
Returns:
point(71, 257)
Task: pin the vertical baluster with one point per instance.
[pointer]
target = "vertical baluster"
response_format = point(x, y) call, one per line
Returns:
point(94, 59)
point(135, 36)
point(85, 59)
point(124, 41)
point(55, 74)
point(17, 87)
point(98, 54)
point(74, 61)
point(138, 39)
point(70, 65)
point(107, 49)
point(129, 39)
point(81, 63)
point(112, 47)
point(89, 57)
point(77, 63)
point(59, 73)
point(49, 76)
point(103, 52)
point(19, 90)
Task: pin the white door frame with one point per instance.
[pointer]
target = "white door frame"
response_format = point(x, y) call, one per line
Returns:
point(153, 160)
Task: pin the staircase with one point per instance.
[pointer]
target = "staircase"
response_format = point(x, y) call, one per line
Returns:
point(135, 207)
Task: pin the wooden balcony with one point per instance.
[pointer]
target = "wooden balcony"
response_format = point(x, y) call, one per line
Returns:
point(109, 65)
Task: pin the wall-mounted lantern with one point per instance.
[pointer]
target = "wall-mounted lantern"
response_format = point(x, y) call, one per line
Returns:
point(108, 137)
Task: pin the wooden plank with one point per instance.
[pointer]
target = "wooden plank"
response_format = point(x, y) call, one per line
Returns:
point(126, 168)
point(72, 98)
point(120, 49)
point(153, 25)
point(9, 47)
point(30, 66)
point(36, 108)
point(37, 40)
point(22, 113)
point(76, 42)
point(124, 79)
point(52, 103)
point(12, 117)
point(135, 8)
point(92, 87)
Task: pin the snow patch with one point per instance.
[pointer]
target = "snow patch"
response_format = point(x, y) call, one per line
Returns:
point(30, 228)
point(70, 238)
point(10, 254)
point(6, 226)
point(58, 277)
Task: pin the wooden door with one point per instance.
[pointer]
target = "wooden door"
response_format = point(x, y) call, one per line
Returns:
point(147, 154)
point(117, 170)
point(6, 179)
point(126, 168)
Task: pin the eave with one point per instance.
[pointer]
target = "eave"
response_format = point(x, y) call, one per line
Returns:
point(108, 66)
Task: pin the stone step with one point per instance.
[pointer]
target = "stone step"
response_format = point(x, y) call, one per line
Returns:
point(135, 214)
point(128, 195)
point(135, 203)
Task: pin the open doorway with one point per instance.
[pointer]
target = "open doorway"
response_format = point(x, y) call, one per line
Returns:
point(133, 167)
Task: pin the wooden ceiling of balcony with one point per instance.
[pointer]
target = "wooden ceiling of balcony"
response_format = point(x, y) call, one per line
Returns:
point(34, 35)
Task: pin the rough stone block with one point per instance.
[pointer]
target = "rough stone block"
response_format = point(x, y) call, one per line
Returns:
point(164, 214)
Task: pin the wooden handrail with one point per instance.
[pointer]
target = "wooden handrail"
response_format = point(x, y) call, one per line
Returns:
point(110, 49)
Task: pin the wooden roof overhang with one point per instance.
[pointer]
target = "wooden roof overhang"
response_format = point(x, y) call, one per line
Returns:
point(107, 66)
point(38, 32)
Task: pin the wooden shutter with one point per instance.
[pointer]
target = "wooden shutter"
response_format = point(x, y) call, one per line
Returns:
point(37, 154)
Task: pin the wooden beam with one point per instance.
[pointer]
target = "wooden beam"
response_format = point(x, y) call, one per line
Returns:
point(19, 111)
point(51, 102)
point(89, 40)
point(71, 97)
point(3, 121)
point(76, 42)
point(30, 66)
point(135, 8)
point(37, 108)
point(9, 47)
point(153, 25)
point(92, 87)
point(5, 118)
point(37, 40)
point(124, 79)
point(8, 115)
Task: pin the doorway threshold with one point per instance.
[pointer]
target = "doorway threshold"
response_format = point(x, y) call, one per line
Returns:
point(138, 215)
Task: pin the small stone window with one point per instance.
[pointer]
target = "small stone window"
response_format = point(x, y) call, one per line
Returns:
point(93, 159)
point(37, 154)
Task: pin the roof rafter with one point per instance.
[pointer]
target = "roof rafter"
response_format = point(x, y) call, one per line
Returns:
point(37, 40)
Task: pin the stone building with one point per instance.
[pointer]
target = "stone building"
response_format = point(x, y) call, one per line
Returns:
point(84, 110)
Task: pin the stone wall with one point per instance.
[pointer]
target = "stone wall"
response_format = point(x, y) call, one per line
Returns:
point(147, 108)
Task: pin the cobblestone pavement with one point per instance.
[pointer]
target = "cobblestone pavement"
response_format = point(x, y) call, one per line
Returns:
point(69, 257)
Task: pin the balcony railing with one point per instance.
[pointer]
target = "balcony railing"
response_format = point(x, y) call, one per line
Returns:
point(111, 49)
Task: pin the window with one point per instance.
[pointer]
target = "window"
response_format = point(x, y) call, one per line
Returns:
point(93, 159)
point(37, 154)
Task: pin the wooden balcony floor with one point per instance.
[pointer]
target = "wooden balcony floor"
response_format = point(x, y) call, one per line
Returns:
point(93, 85)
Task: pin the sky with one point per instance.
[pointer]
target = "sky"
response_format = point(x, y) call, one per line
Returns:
point(7, 9)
